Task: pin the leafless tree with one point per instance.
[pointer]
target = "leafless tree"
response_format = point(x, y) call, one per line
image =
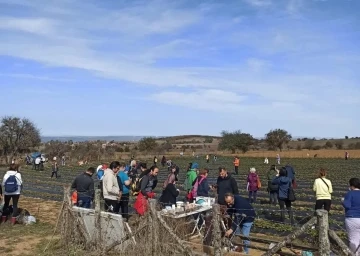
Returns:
point(18, 136)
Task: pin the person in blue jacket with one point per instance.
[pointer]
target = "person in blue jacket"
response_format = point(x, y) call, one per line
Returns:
point(284, 183)
point(351, 203)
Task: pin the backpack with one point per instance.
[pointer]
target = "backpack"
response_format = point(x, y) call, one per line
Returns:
point(11, 184)
point(195, 187)
point(136, 186)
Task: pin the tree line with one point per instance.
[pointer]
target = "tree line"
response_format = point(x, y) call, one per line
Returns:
point(19, 136)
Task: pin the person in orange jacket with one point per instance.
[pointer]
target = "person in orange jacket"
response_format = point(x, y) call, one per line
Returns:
point(236, 164)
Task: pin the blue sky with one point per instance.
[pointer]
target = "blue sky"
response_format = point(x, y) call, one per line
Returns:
point(79, 67)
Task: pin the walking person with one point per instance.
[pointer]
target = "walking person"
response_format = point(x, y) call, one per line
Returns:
point(155, 160)
point(323, 190)
point(253, 182)
point(284, 184)
point(12, 184)
point(111, 190)
point(272, 189)
point(125, 182)
point(84, 187)
point(236, 165)
point(351, 203)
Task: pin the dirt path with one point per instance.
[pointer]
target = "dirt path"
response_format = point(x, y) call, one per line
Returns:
point(25, 239)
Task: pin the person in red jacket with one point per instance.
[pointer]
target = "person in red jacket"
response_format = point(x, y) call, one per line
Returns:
point(148, 184)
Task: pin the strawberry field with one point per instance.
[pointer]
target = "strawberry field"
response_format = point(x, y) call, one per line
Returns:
point(39, 185)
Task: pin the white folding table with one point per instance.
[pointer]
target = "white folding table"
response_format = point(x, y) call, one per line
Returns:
point(199, 211)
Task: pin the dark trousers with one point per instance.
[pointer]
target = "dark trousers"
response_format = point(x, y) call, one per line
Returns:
point(287, 203)
point(252, 196)
point(273, 197)
point(84, 202)
point(124, 206)
point(326, 203)
point(15, 200)
point(111, 205)
point(54, 173)
point(237, 169)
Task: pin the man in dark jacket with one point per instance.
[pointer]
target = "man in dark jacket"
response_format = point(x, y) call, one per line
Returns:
point(225, 184)
point(84, 185)
point(243, 217)
point(290, 172)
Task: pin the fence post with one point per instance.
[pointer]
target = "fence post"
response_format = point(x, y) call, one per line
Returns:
point(98, 237)
point(217, 230)
point(154, 228)
point(323, 223)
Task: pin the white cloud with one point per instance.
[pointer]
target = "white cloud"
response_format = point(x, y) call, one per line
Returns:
point(259, 3)
point(263, 69)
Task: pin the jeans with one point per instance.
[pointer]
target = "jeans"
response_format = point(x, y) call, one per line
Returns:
point(84, 202)
point(15, 200)
point(252, 196)
point(273, 197)
point(287, 203)
point(244, 229)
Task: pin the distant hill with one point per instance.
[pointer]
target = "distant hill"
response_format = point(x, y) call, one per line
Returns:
point(91, 138)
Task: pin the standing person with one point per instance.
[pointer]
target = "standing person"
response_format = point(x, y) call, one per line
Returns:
point(190, 177)
point(54, 168)
point(225, 184)
point(37, 163)
point(12, 184)
point(207, 158)
point(170, 193)
point(351, 203)
point(111, 190)
point(215, 158)
point(63, 160)
point(243, 214)
point(163, 161)
point(284, 184)
point(266, 160)
point(147, 185)
point(84, 186)
point(125, 197)
point(169, 164)
point(171, 176)
point(290, 173)
point(252, 184)
point(323, 189)
point(236, 165)
point(278, 159)
point(346, 155)
point(155, 160)
point(272, 189)
point(203, 187)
